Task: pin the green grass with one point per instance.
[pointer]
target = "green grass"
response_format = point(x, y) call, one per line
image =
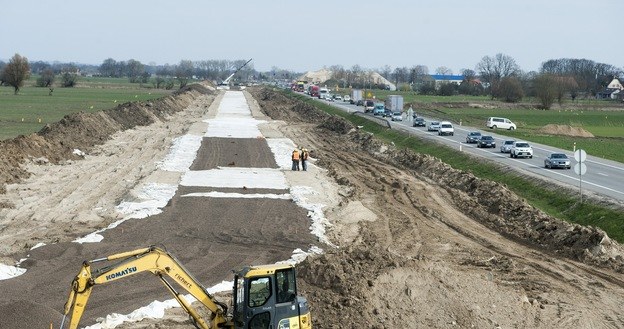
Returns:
point(552, 202)
point(606, 126)
point(33, 107)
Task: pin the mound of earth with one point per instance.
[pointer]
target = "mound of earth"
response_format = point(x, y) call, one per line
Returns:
point(566, 130)
point(56, 142)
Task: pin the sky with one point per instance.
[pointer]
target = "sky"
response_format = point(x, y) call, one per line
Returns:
point(309, 35)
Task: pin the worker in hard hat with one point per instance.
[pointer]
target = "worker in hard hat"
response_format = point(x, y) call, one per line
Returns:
point(296, 155)
point(304, 158)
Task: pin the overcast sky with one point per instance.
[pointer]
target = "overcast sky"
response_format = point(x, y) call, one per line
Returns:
point(310, 35)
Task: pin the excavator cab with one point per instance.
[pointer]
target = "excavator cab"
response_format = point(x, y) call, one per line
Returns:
point(265, 297)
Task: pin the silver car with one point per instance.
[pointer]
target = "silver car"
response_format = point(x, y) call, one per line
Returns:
point(557, 160)
point(434, 126)
point(506, 147)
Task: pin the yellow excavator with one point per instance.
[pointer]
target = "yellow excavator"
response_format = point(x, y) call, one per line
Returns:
point(263, 296)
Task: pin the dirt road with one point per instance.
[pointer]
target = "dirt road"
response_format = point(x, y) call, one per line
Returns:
point(416, 245)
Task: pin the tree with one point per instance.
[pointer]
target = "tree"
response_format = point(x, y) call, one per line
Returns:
point(447, 89)
point(545, 90)
point(46, 79)
point(69, 76)
point(134, 70)
point(443, 70)
point(184, 72)
point(16, 72)
point(493, 69)
point(509, 89)
point(108, 68)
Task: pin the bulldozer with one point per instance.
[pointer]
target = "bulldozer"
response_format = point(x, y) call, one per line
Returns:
point(263, 296)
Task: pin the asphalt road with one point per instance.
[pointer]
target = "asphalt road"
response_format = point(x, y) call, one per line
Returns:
point(603, 177)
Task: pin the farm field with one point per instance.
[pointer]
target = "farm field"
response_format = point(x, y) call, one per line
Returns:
point(34, 107)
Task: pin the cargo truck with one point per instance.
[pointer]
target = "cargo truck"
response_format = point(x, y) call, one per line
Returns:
point(394, 103)
point(356, 95)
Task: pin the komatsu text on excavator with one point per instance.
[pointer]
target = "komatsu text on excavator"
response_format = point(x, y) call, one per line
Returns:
point(263, 296)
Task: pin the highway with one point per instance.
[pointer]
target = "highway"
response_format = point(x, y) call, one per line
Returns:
point(603, 177)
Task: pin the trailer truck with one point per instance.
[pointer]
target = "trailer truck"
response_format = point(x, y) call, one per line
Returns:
point(394, 103)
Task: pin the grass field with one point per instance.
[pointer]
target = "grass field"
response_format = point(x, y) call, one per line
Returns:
point(552, 202)
point(33, 107)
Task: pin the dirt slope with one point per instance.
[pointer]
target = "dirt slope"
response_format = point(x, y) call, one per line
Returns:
point(444, 249)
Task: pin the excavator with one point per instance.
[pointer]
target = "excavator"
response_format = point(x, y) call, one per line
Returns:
point(263, 297)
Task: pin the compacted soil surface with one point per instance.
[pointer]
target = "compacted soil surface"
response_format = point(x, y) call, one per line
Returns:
point(410, 241)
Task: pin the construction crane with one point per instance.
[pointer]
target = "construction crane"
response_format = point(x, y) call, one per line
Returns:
point(225, 84)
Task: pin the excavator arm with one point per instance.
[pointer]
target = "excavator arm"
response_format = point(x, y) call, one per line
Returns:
point(152, 259)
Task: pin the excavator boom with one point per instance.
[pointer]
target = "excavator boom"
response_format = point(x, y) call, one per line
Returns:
point(155, 260)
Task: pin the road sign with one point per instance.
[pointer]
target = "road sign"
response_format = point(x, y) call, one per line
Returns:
point(580, 168)
point(580, 155)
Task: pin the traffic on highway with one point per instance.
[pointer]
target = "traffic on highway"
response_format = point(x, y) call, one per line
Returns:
point(599, 176)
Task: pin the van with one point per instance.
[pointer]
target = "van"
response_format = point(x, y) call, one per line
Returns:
point(502, 123)
point(369, 105)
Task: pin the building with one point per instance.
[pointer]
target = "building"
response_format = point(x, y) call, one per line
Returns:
point(612, 91)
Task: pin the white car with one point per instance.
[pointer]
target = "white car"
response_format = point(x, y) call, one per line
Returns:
point(433, 126)
point(346, 98)
point(397, 116)
point(521, 149)
point(506, 147)
point(446, 128)
point(337, 97)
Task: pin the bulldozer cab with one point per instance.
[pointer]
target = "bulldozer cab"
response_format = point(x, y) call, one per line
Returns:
point(266, 297)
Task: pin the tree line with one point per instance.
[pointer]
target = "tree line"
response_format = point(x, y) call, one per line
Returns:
point(498, 76)
point(19, 69)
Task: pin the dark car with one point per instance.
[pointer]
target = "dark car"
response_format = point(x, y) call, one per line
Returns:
point(486, 141)
point(473, 137)
point(360, 102)
point(419, 122)
point(557, 160)
point(387, 113)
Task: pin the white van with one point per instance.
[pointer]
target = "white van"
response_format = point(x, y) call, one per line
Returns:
point(502, 123)
point(446, 128)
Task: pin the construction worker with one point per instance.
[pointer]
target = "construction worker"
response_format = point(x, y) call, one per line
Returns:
point(295, 159)
point(304, 158)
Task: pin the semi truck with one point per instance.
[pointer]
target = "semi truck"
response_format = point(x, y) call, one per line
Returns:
point(394, 103)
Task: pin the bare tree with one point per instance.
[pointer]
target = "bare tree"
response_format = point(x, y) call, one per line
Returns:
point(443, 70)
point(16, 72)
point(493, 69)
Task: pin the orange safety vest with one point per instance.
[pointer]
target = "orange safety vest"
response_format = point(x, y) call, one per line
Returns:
point(295, 155)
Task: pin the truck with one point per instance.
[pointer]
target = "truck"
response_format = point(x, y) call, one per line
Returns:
point(394, 103)
point(263, 296)
point(356, 95)
point(313, 90)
